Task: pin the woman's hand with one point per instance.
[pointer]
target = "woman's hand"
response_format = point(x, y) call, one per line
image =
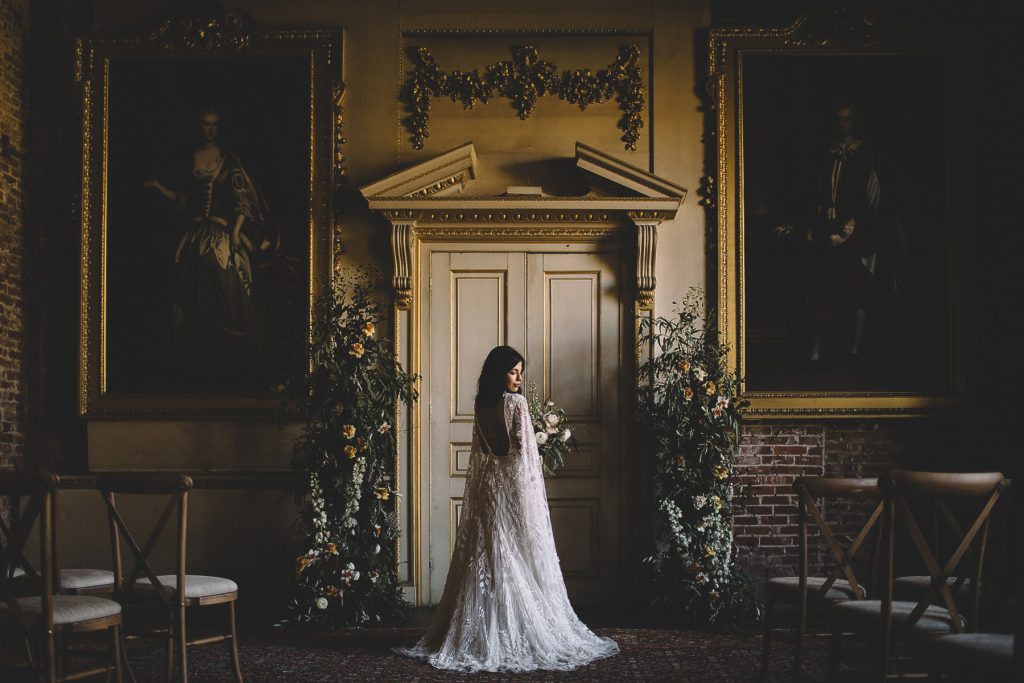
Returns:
point(154, 184)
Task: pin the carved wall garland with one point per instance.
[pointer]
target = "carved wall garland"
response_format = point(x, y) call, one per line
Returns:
point(523, 80)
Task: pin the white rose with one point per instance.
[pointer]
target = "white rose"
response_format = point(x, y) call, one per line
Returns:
point(376, 549)
point(565, 435)
point(355, 576)
point(699, 373)
point(542, 438)
point(551, 419)
point(321, 603)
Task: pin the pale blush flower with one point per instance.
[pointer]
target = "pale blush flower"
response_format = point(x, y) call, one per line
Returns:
point(565, 435)
point(699, 373)
point(384, 428)
point(552, 419)
point(542, 438)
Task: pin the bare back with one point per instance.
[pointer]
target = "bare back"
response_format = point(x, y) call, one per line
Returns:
point(490, 421)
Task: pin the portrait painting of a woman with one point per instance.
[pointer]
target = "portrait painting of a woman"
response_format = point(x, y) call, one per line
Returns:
point(206, 288)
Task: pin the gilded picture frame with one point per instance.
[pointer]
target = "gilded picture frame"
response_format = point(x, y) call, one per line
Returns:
point(198, 273)
point(834, 205)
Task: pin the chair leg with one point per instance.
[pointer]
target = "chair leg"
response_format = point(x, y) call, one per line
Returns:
point(234, 643)
point(766, 642)
point(183, 648)
point(834, 652)
point(116, 654)
point(170, 646)
point(51, 659)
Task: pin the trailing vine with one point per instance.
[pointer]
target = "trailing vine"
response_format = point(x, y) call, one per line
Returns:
point(524, 80)
point(345, 459)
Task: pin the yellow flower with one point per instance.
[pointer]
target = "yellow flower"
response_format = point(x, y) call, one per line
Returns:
point(331, 549)
point(709, 552)
point(361, 444)
point(350, 452)
point(684, 366)
point(716, 502)
point(304, 561)
point(348, 431)
point(331, 591)
point(357, 350)
point(688, 393)
point(382, 493)
point(369, 329)
point(720, 471)
point(710, 386)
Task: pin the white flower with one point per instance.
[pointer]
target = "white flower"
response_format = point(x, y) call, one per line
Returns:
point(321, 603)
point(565, 435)
point(376, 549)
point(350, 566)
point(355, 576)
point(699, 373)
point(551, 403)
point(551, 419)
point(699, 502)
point(542, 438)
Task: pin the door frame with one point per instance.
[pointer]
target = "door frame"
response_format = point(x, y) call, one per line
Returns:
point(413, 348)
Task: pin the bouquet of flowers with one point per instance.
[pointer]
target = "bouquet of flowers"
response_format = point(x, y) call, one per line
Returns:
point(554, 436)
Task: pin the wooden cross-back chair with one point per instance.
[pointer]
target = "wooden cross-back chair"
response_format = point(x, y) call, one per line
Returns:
point(791, 601)
point(176, 592)
point(47, 618)
point(886, 619)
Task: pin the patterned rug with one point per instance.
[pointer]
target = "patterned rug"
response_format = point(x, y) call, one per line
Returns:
point(269, 654)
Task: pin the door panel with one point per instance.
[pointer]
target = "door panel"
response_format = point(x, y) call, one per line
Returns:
point(563, 311)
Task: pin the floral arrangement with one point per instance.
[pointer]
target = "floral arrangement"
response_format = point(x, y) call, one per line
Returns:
point(554, 435)
point(688, 406)
point(345, 459)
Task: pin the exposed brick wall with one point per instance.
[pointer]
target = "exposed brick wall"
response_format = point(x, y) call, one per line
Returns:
point(13, 24)
point(772, 455)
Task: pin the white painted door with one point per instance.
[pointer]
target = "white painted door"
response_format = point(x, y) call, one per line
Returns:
point(563, 312)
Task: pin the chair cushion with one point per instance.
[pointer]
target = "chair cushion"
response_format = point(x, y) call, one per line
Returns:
point(788, 588)
point(864, 615)
point(196, 586)
point(981, 646)
point(70, 609)
point(79, 579)
point(913, 587)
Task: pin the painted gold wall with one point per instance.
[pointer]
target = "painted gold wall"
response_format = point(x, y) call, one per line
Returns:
point(511, 152)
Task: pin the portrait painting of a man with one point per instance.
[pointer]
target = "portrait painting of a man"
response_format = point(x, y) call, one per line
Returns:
point(846, 234)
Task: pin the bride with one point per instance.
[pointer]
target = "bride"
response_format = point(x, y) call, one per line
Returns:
point(504, 606)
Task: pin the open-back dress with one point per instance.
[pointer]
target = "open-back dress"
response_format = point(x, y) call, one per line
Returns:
point(504, 606)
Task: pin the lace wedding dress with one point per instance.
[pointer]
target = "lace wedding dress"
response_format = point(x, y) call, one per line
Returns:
point(504, 606)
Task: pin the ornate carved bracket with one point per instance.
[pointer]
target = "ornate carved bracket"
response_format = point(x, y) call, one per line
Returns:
point(646, 258)
point(403, 242)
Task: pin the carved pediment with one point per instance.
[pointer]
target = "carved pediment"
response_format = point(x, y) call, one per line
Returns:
point(615, 177)
point(443, 175)
point(426, 201)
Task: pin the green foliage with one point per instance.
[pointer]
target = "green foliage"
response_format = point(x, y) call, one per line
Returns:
point(345, 460)
point(689, 408)
point(557, 441)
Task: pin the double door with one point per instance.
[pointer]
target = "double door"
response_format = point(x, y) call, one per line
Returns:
point(563, 312)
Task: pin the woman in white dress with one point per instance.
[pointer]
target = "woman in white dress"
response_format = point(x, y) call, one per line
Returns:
point(505, 606)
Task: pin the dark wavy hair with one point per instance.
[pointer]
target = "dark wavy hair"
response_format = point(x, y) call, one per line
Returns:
point(499, 361)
